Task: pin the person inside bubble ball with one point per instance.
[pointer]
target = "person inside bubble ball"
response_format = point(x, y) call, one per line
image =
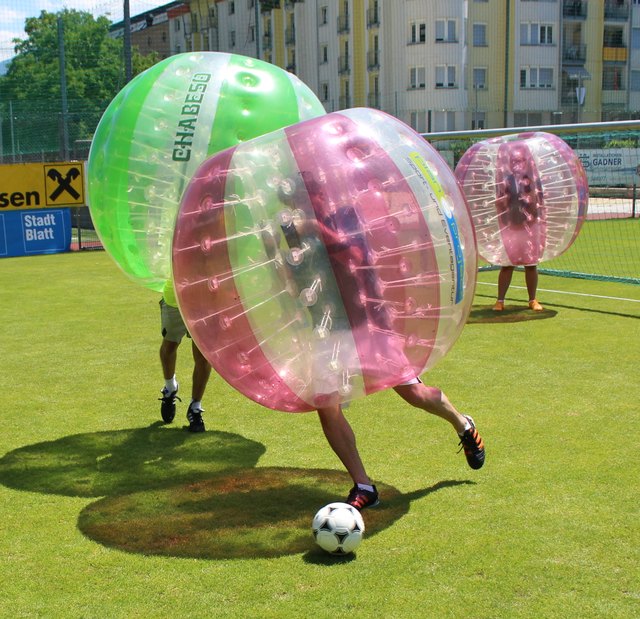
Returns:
point(305, 235)
point(173, 330)
point(531, 281)
point(519, 205)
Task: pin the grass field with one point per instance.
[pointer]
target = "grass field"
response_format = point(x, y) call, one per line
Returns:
point(107, 513)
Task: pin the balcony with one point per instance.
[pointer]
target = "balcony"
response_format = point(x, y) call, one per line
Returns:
point(373, 18)
point(373, 59)
point(290, 36)
point(616, 10)
point(574, 8)
point(574, 53)
point(343, 24)
point(343, 65)
point(614, 54)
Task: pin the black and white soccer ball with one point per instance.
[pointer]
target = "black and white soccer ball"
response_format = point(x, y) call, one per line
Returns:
point(338, 528)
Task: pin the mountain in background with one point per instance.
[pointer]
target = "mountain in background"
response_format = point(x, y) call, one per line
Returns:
point(4, 66)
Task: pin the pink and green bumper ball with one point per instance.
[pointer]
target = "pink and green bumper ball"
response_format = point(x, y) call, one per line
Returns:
point(527, 194)
point(325, 261)
point(160, 128)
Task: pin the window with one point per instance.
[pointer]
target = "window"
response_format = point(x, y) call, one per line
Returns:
point(418, 33)
point(635, 37)
point(480, 35)
point(324, 91)
point(232, 7)
point(478, 120)
point(324, 54)
point(613, 78)
point(418, 121)
point(445, 76)
point(444, 121)
point(194, 22)
point(417, 77)
point(446, 30)
point(536, 34)
point(536, 77)
point(251, 4)
point(479, 78)
point(252, 33)
point(546, 35)
point(324, 15)
point(613, 37)
point(176, 25)
point(527, 119)
point(232, 38)
point(634, 83)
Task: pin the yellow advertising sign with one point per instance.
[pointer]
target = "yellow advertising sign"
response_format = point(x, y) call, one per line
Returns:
point(41, 185)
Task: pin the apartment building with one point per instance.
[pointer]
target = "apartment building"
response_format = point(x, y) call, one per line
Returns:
point(438, 65)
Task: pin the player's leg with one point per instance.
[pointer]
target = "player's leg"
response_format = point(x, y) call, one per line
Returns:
point(435, 401)
point(172, 333)
point(201, 374)
point(531, 279)
point(342, 440)
point(504, 281)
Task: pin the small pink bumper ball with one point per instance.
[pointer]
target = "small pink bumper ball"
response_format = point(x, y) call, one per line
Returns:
point(325, 261)
point(527, 194)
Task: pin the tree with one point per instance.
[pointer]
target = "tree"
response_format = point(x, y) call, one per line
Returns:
point(94, 69)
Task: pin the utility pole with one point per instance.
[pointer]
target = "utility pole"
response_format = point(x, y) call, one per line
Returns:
point(63, 91)
point(128, 71)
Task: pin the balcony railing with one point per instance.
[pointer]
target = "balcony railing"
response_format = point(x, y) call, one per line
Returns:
point(616, 10)
point(574, 8)
point(373, 59)
point(373, 18)
point(290, 36)
point(614, 54)
point(574, 53)
point(343, 24)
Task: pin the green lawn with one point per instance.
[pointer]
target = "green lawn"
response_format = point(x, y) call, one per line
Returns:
point(107, 513)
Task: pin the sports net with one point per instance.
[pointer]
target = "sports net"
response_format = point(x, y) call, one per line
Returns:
point(608, 246)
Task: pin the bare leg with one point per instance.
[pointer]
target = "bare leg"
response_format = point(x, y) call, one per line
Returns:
point(432, 400)
point(168, 358)
point(531, 278)
point(504, 281)
point(201, 373)
point(342, 440)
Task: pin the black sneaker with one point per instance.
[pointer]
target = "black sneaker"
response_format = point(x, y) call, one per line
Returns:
point(194, 417)
point(473, 445)
point(168, 406)
point(360, 498)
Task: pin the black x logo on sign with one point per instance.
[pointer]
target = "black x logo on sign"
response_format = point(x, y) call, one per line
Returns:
point(64, 183)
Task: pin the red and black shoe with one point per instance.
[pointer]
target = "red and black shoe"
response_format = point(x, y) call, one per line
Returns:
point(473, 445)
point(361, 498)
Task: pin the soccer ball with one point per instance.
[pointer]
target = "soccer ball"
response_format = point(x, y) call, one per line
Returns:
point(338, 528)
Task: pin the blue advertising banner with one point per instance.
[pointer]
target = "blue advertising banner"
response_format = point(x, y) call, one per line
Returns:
point(23, 233)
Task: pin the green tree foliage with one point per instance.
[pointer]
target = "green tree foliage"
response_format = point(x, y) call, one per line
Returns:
point(94, 70)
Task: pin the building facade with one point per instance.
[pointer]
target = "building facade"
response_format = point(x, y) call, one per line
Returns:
point(438, 65)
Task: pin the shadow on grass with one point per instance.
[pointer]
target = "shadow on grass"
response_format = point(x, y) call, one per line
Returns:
point(484, 314)
point(392, 506)
point(170, 493)
point(123, 461)
point(524, 309)
point(242, 514)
